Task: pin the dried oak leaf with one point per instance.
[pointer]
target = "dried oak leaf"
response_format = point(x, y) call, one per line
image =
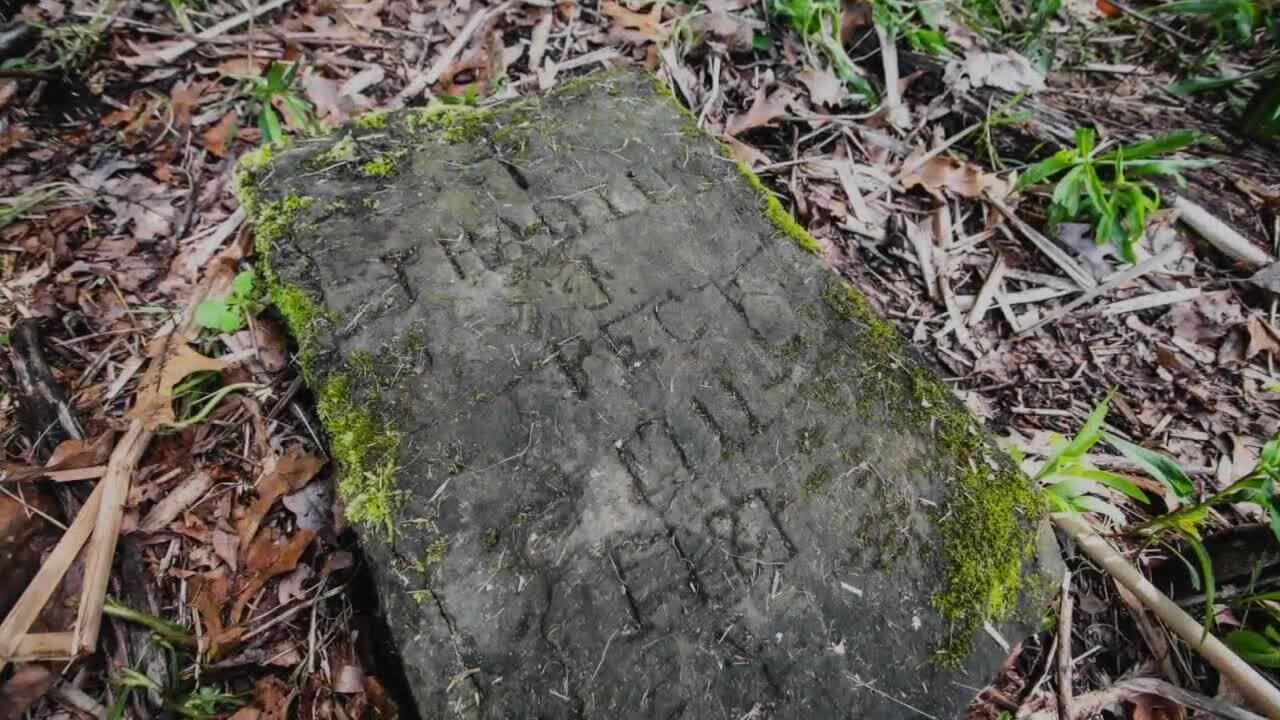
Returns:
point(283, 474)
point(824, 87)
point(962, 178)
point(629, 26)
point(735, 32)
point(1262, 338)
point(269, 555)
point(219, 137)
point(764, 110)
point(154, 403)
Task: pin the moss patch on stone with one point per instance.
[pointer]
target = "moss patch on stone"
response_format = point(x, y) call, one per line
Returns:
point(374, 120)
point(988, 528)
point(382, 166)
point(776, 214)
point(342, 151)
point(450, 123)
point(364, 443)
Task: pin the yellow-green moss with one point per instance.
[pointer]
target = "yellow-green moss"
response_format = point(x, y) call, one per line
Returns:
point(450, 123)
point(881, 338)
point(373, 120)
point(364, 444)
point(989, 526)
point(273, 221)
point(382, 166)
point(778, 215)
point(342, 151)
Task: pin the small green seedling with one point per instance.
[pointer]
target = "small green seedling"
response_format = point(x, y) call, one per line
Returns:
point(918, 22)
point(230, 313)
point(1071, 484)
point(818, 23)
point(1108, 188)
point(278, 83)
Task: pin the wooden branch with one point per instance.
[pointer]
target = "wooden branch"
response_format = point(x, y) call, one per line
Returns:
point(41, 588)
point(36, 647)
point(1257, 689)
point(167, 55)
point(1064, 647)
point(1218, 234)
point(114, 487)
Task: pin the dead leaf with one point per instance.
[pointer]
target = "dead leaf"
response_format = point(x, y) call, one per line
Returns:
point(824, 87)
point(74, 454)
point(181, 497)
point(962, 178)
point(282, 474)
point(312, 506)
point(1262, 338)
point(290, 587)
point(219, 137)
point(1008, 71)
point(265, 340)
point(734, 31)
point(226, 545)
point(154, 403)
point(270, 555)
point(629, 26)
point(350, 680)
point(1268, 278)
point(764, 110)
point(27, 685)
point(271, 695)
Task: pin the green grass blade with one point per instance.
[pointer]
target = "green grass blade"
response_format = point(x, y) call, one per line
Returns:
point(1157, 466)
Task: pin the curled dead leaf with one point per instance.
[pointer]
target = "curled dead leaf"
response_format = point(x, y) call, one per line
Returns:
point(943, 173)
point(282, 474)
point(629, 26)
point(154, 403)
point(764, 110)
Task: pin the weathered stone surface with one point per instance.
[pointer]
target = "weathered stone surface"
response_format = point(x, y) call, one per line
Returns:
point(639, 455)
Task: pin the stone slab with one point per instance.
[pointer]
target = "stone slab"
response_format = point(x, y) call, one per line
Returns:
point(634, 452)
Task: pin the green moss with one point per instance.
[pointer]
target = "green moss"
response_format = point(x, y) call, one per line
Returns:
point(778, 215)
point(364, 444)
point(273, 221)
point(810, 438)
point(849, 304)
point(491, 538)
point(374, 120)
point(817, 480)
point(450, 123)
point(988, 529)
point(382, 166)
point(342, 151)
point(436, 552)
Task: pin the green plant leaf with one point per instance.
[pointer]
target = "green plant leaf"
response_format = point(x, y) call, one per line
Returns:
point(1046, 169)
point(269, 124)
point(244, 283)
point(1084, 440)
point(1090, 503)
point(1162, 145)
point(1066, 194)
point(1086, 140)
point(1254, 647)
point(1157, 466)
point(219, 315)
point(1206, 572)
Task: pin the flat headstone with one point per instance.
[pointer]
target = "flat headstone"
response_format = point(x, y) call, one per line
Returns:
point(617, 445)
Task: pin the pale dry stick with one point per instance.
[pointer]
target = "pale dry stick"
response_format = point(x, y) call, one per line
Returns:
point(1064, 647)
point(1218, 234)
point(41, 587)
point(988, 290)
point(37, 647)
point(1182, 696)
point(1043, 244)
point(1148, 301)
point(89, 473)
point(1257, 689)
point(106, 532)
point(169, 54)
point(1151, 264)
point(899, 116)
point(423, 82)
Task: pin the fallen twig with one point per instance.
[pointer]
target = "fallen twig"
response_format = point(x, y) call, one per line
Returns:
point(421, 83)
point(1218, 234)
point(1151, 264)
point(1066, 607)
point(1256, 688)
point(158, 58)
point(1045, 245)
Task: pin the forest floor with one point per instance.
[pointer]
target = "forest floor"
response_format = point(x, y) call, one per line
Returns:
point(139, 351)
